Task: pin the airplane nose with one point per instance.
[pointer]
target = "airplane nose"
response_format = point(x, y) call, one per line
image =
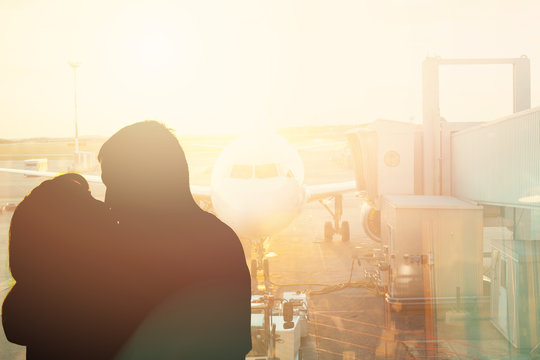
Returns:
point(261, 209)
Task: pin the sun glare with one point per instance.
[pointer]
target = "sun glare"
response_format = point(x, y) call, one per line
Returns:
point(152, 48)
point(145, 46)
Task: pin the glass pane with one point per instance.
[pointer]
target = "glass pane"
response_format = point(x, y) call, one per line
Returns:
point(266, 171)
point(242, 172)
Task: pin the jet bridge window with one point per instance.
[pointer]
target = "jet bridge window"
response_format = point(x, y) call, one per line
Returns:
point(266, 171)
point(242, 172)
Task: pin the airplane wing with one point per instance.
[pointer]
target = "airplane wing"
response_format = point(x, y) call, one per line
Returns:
point(199, 192)
point(49, 174)
point(208, 146)
point(317, 192)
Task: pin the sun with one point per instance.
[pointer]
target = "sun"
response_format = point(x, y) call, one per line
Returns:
point(145, 41)
point(152, 48)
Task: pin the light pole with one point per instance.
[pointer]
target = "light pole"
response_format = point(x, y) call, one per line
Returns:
point(74, 65)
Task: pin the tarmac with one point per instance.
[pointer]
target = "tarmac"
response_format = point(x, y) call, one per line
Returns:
point(351, 323)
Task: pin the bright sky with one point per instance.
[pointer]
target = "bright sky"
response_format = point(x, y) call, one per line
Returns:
point(242, 65)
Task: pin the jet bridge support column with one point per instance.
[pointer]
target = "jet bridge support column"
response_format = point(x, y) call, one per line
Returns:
point(431, 113)
point(432, 124)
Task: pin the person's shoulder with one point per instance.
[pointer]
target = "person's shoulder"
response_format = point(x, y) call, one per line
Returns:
point(219, 236)
point(223, 246)
point(213, 224)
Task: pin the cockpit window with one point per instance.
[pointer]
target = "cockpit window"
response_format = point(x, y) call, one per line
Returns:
point(266, 171)
point(242, 172)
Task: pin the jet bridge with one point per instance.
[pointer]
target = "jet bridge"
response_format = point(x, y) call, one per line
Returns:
point(495, 168)
point(497, 165)
point(490, 163)
point(434, 159)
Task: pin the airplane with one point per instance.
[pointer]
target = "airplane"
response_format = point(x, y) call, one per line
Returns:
point(257, 188)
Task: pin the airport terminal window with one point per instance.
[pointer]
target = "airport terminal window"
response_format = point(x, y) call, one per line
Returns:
point(266, 171)
point(242, 172)
point(377, 221)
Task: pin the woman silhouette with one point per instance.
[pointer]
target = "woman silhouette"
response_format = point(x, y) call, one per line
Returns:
point(58, 246)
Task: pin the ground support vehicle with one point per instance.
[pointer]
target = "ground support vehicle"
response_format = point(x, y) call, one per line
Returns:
point(277, 326)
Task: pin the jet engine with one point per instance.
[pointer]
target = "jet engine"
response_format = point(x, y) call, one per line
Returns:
point(371, 221)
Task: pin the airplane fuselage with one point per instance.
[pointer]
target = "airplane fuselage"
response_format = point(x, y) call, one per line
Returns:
point(257, 185)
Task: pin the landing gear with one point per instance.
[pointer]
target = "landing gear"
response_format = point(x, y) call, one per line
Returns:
point(253, 268)
point(260, 270)
point(338, 227)
point(266, 272)
point(345, 231)
point(328, 231)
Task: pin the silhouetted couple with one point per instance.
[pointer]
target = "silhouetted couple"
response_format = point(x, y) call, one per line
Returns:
point(145, 275)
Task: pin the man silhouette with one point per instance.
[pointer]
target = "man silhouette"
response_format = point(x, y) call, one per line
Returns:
point(183, 270)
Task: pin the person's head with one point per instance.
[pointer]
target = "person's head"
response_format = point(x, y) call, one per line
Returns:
point(144, 168)
point(58, 212)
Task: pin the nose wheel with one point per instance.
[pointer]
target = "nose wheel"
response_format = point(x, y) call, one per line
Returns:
point(337, 226)
point(344, 231)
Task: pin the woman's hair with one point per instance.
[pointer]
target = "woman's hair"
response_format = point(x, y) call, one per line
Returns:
point(53, 214)
point(58, 255)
